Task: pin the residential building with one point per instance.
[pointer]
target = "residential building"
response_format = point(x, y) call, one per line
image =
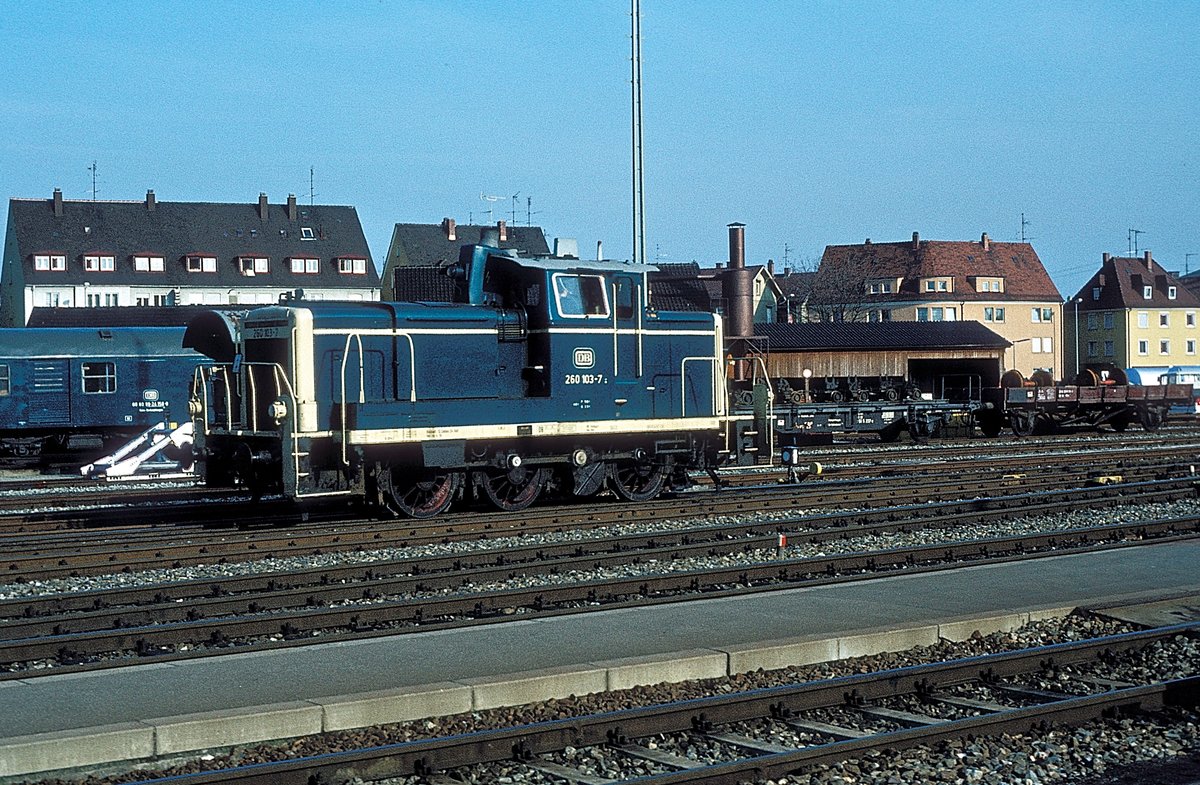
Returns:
point(1133, 313)
point(61, 253)
point(437, 245)
point(1001, 285)
point(767, 296)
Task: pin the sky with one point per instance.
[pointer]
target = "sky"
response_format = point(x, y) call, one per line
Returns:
point(813, 123)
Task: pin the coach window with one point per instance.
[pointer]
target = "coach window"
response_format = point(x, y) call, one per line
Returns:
point(4, 379)
point(100, 377)
point(580, 296)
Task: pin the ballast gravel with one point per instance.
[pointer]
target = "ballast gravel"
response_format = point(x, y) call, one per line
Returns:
point(1021, 525)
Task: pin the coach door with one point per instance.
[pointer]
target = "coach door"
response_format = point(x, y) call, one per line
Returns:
point(49, 393)
point(627, 360)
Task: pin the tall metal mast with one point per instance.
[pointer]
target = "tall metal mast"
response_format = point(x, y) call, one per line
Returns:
point(639, 198)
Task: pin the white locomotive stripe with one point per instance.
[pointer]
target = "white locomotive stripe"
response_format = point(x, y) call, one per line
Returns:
point(510, 431)
point(384, 331)
point(387, 331)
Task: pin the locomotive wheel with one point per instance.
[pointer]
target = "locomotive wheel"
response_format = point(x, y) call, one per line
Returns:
point(514, 489)
point(588, 479)
point(636, 482)
point(420, 494)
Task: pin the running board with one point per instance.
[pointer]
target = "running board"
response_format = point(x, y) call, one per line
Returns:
point(143, 456)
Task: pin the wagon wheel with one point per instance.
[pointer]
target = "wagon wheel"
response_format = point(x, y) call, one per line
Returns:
point(862, 395)
point(1023, 423)
point(1152, 418)
point(837, 396)
point(636, 481)
point(422, 493)
point(513, 489)
point(990, 424)
point(892, 394)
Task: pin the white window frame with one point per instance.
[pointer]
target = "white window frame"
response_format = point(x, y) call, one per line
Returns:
point(307, 233)
point(1164, 318)
point(352, 265)
point(1035, 345)
point(201, 264)
point(1143, 319)
point(145, 263)
point(1172, 292)
point(1190, 345)
point(305, 265)
point(1164, 345)
point(1143, 347)
point(1147, 292)
point(560, 291)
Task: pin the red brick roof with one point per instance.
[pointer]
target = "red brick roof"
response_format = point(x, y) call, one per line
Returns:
point(1025, 277)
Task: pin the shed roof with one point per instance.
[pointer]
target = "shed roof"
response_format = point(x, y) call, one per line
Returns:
point(878, 336)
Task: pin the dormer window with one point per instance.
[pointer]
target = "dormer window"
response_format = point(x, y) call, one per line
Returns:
point(198, 263)
point(254, 265)
point(50, 261)
point(938, 285)
point(145, 263)
point(305, 265)
point(352, 265)
point(1171, 292)
point(99, 263)
point(307, 233)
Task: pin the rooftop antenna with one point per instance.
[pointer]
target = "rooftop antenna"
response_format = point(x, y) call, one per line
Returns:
point(1024, 223)
point(787, 265)
point(92, 169)
point(1133, 241)
point(639, 197)
point(529, 211)
point(312, 193)
point(514, 210)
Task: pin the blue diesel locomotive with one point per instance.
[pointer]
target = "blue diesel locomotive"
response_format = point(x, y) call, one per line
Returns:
point(66, 388)
point(545, 372)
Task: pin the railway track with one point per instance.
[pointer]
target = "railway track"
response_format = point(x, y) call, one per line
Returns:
point(770, 733)
point(34, 554)
point(208, 617)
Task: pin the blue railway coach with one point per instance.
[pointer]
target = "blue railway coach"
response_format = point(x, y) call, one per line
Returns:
point(546, 372)
point(77, 387)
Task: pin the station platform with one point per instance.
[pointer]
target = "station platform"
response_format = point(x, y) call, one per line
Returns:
point(158, 709)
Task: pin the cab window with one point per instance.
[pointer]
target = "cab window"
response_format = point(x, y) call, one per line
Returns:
point(624, 298)
point(580, 296)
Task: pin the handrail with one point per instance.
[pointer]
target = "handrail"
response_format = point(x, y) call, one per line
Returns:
point(361, 396)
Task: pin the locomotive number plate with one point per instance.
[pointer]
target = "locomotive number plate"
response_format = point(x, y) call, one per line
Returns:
point(585, 378)
point(261, 333)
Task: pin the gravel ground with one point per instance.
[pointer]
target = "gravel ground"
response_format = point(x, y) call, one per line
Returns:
point(1059, 756)
point(1003, 528)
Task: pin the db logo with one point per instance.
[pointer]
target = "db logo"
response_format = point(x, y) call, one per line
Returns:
point(150, 395)
point(584, 358)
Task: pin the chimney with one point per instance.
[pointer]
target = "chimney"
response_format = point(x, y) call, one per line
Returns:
point(1100, 279)
point(771, 266)
point(150, 201)
point(599, 250)
point(448, 228)
point(262, 207)
point(986, 242)
point(503, 230)
point(916, 241)
point(1148, 260)
point(58, 202)
point(737, 285)
point(1107, 256)
point(868, 242)
point(293, 213)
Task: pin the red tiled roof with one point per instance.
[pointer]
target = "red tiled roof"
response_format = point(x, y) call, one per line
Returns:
point(1025, 277)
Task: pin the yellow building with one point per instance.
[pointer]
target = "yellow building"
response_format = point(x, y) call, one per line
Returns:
point(1001, 285)
point(1132, 313)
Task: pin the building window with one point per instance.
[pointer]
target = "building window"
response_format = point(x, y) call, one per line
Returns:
point(1164, 347)
point(1143, 347)
point(1091, 348)
point(100, 377)
point(1035, 345)
point(922, 314)
point(201, 264)
point(885, 287)
point(989, 314)
point(929, 285)
point(885, 315)
point(254, 265)
point(306, 233)
point(938, 314)
point(1095, 292)
point(1147, 292)
point(141, 300)
point(873, 288)
point(1093, 322)
point(99, 263)
point(52, 299)
point(52, 261)
point(1039, 315)
point(1164, 319)
point(148, 264)
point(305, 265)
point(5, 379)
point(1143, 319)
point(1171, 292)
point(1108, 320)
point(1190, 345)
point(1109, 349)
point(352, 265)
point(943, 286)
point(1189, 318)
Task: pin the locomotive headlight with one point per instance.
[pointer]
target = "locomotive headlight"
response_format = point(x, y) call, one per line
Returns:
point(279, 409)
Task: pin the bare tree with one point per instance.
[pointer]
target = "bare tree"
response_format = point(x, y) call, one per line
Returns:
point(838, 291)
